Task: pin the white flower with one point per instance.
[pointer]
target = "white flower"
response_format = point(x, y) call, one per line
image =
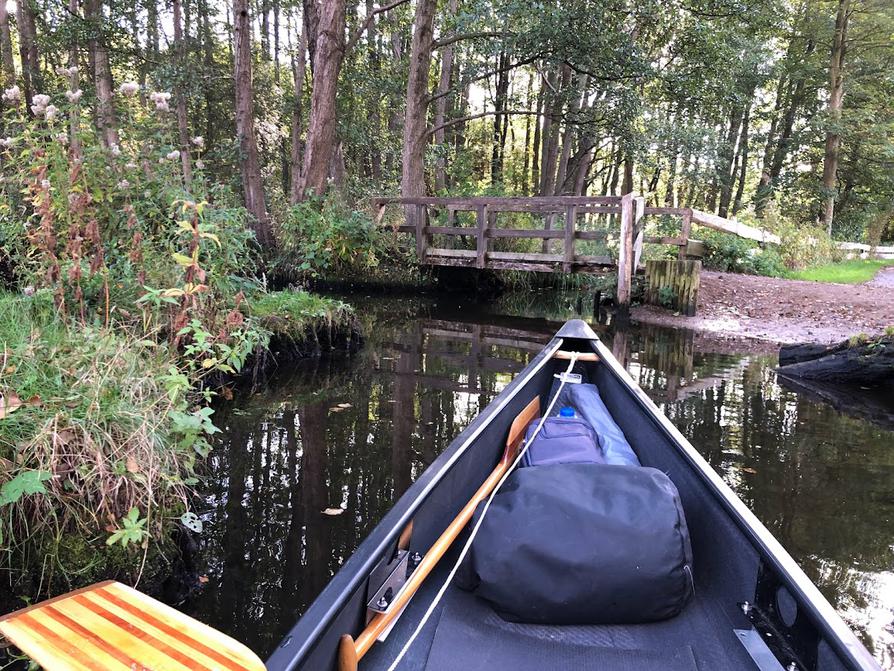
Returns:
point(74, 96)
point(50, 112)
point(198, 141)
point(160, 98)
point(28, 291)
point(62, 138)
point(114, 150)
point(6, 142)
point(129, 89)
point(67, 72)
point(45, 184)
point(123, 184)
point(131, 166)
point(12, 95)
point(174, 155)
point(200, 164)
point(41, 99)
point(72, 198)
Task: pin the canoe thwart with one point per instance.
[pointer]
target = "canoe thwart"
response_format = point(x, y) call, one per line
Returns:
point(581, 356)
point(113, 627)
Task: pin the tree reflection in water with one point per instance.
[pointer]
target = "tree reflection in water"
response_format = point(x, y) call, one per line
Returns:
point(354, 433)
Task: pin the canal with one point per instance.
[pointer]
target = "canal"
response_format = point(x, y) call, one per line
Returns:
point(311, 460)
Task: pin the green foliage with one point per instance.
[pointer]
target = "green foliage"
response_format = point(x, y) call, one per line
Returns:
point(730, 253)
point(292, 313)
point(132, 531)
point(25, 483)
point(325, 235)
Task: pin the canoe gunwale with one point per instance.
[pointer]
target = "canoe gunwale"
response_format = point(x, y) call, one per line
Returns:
point(824, 617)
point(304, 636)
point(355, 571)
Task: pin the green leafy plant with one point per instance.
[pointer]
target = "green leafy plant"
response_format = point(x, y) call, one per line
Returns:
point(132, 531)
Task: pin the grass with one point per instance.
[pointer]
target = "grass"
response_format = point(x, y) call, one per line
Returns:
point(854, 271)
point(88, 433)
point(292, 313)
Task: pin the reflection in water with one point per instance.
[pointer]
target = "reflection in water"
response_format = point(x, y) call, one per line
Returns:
point(352, 434)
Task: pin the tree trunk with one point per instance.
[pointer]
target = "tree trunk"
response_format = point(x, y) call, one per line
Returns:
point(74, 119)
point(568, 137)
point(208, 59)
point(836, 98)
point(441, 106)
point(415, 127)
point(312, 28)
point(299, 65)
point(28, 49)
point(500, 122)
point(743, 159)
point(252, 184)
point(374, 102)
point(526, 161)
point(321, 140)
point(725, 173)
point(102, 74)
point(182, 120)
point(7, 64)
point(539, 121)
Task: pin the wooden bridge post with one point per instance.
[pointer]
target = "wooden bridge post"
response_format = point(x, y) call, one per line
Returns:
point(685, 232)
point(570, 221)
point(481, 237)
point(421, 233)
point(625, 256)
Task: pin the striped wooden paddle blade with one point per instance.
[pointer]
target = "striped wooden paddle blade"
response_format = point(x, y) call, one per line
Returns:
point(115, 627)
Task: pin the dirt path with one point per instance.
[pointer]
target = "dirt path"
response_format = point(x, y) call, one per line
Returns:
point(784, 311)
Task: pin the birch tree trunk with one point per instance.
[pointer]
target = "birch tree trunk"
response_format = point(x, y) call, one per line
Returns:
point(327, 62)
point(74, 119)
point(252, 184)
point(836, 99)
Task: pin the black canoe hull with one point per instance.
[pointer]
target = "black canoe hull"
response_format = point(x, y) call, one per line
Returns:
point(735, 553)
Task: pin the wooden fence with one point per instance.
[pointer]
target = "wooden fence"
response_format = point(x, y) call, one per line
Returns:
point(627, 211)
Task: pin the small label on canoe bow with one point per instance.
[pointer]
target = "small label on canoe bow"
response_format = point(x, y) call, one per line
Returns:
point(569, 378)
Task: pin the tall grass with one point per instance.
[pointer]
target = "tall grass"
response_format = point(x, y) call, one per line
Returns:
point(88, 432)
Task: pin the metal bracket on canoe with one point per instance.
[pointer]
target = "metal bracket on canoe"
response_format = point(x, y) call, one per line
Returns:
point(400, 568)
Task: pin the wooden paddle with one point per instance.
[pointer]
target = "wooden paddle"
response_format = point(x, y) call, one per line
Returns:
point(113, 627)
point(350, 650)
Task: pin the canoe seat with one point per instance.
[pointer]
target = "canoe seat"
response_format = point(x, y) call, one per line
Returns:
point(115, 627)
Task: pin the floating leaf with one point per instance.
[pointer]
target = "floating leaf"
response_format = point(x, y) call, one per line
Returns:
point(192, 522)
point(333, 511)
point(24, 484)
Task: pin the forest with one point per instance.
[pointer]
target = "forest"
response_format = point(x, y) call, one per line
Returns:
point(724, 105)
point(167, 169)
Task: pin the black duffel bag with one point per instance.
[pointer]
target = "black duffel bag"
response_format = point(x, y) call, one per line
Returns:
point(582, 544)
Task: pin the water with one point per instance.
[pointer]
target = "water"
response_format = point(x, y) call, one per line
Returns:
point(350, 435)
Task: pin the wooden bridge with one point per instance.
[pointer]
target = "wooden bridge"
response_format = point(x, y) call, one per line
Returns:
point(608, 225)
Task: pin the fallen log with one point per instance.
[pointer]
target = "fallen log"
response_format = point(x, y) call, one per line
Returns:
point(858, 361)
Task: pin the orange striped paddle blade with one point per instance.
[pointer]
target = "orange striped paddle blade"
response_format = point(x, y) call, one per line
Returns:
point(109, 626)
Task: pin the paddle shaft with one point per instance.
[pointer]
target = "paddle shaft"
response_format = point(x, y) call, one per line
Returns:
point(380, 622)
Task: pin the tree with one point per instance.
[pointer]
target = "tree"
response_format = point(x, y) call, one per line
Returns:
point(252, 183)
point(836, 100)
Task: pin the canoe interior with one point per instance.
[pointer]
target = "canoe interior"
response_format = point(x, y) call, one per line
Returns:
point(728, 567)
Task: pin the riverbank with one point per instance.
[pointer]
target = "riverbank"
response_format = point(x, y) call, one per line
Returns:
point(782, 310)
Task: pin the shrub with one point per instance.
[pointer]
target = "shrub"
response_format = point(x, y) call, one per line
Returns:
point(802, 245)
point(730, 253)
point(325, 235)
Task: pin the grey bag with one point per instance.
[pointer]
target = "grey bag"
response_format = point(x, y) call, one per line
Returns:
point(583, 544)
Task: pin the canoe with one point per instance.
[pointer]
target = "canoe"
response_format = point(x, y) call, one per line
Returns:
point(753, 607)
